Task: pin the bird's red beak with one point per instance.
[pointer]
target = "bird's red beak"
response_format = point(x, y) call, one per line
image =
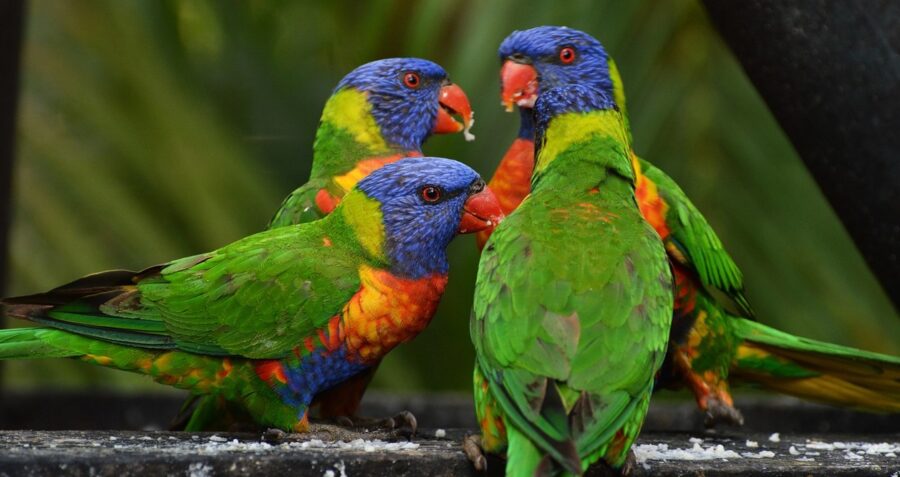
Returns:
point(480, 212)
point(452, 100)
point(518, 85)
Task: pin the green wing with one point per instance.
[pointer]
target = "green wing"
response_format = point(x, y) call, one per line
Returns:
point(696, 244)
point(257, 297)
point(563, 328)
point(300, 206)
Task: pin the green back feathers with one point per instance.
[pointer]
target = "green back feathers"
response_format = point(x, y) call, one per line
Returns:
point(693, 243)
point(252, 298)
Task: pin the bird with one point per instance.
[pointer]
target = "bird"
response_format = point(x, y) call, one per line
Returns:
point(273, 319)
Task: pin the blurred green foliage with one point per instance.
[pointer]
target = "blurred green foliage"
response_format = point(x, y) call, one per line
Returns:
point(154, 130)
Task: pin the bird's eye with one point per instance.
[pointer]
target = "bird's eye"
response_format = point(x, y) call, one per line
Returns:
point(567, 55)
point(411, 80)
point(431, 194)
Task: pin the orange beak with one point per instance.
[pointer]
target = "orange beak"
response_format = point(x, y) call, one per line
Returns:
point(518, 85)
point(480, 212)
point(452, 100)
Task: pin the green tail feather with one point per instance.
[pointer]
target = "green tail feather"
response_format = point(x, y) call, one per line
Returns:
point(523, 457)
point(816, 370)
point(34, 343)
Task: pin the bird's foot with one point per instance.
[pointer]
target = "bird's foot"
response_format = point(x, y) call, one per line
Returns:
point(404, 423)
point(720, 412)
point(472, 447)
point(273, 435)
point(602, 468)
point(629, 465)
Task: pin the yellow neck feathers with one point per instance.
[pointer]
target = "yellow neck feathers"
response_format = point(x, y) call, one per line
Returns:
point(569, 129)
point(363, 215)
point(349, 109)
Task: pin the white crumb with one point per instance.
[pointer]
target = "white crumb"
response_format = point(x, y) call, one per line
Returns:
point(805, 459)
point(759, 455)
point(775, 437)
point(357, 444)
point(864, 448)
point(851, 456)
point(819, 445)
point(793, 451)
point(328, 473)
point(645, 452)
point(215, 438)
point(112, 438)
point(440, 433)
point(695, 440)
point(752, 444)
point(466, 131)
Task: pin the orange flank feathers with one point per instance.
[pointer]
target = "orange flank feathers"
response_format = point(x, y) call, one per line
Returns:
point(652, 206)
point(326, 202)
point(226, 369)
point(685, 290)
point(270, 371)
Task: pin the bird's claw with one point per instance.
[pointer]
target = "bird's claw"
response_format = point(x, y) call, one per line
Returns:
point(343, 421)
point(403, 422)
point(472, 448)
point(720, 412)
point(273, 435)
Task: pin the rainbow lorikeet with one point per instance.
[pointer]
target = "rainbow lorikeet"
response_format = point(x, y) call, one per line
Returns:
point(713, 336)
point(273, 319)
point(573, 301)
point(379, 113)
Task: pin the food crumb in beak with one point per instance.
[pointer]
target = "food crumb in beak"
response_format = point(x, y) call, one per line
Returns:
point(466, 131)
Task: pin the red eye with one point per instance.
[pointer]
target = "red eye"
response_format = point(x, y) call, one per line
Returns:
point(411, 80)
point(431, 194)
point(567, 55)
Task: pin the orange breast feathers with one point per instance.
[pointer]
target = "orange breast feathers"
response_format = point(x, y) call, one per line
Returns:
point(652, 206)
point(512, 179)
point(388, 310)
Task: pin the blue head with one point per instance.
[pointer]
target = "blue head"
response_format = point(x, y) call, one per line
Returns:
point(547, 57)
point(423, 203)
point(410, 99)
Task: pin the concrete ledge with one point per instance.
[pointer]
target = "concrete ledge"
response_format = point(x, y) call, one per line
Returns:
point(812, 441)
point(336, 452)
